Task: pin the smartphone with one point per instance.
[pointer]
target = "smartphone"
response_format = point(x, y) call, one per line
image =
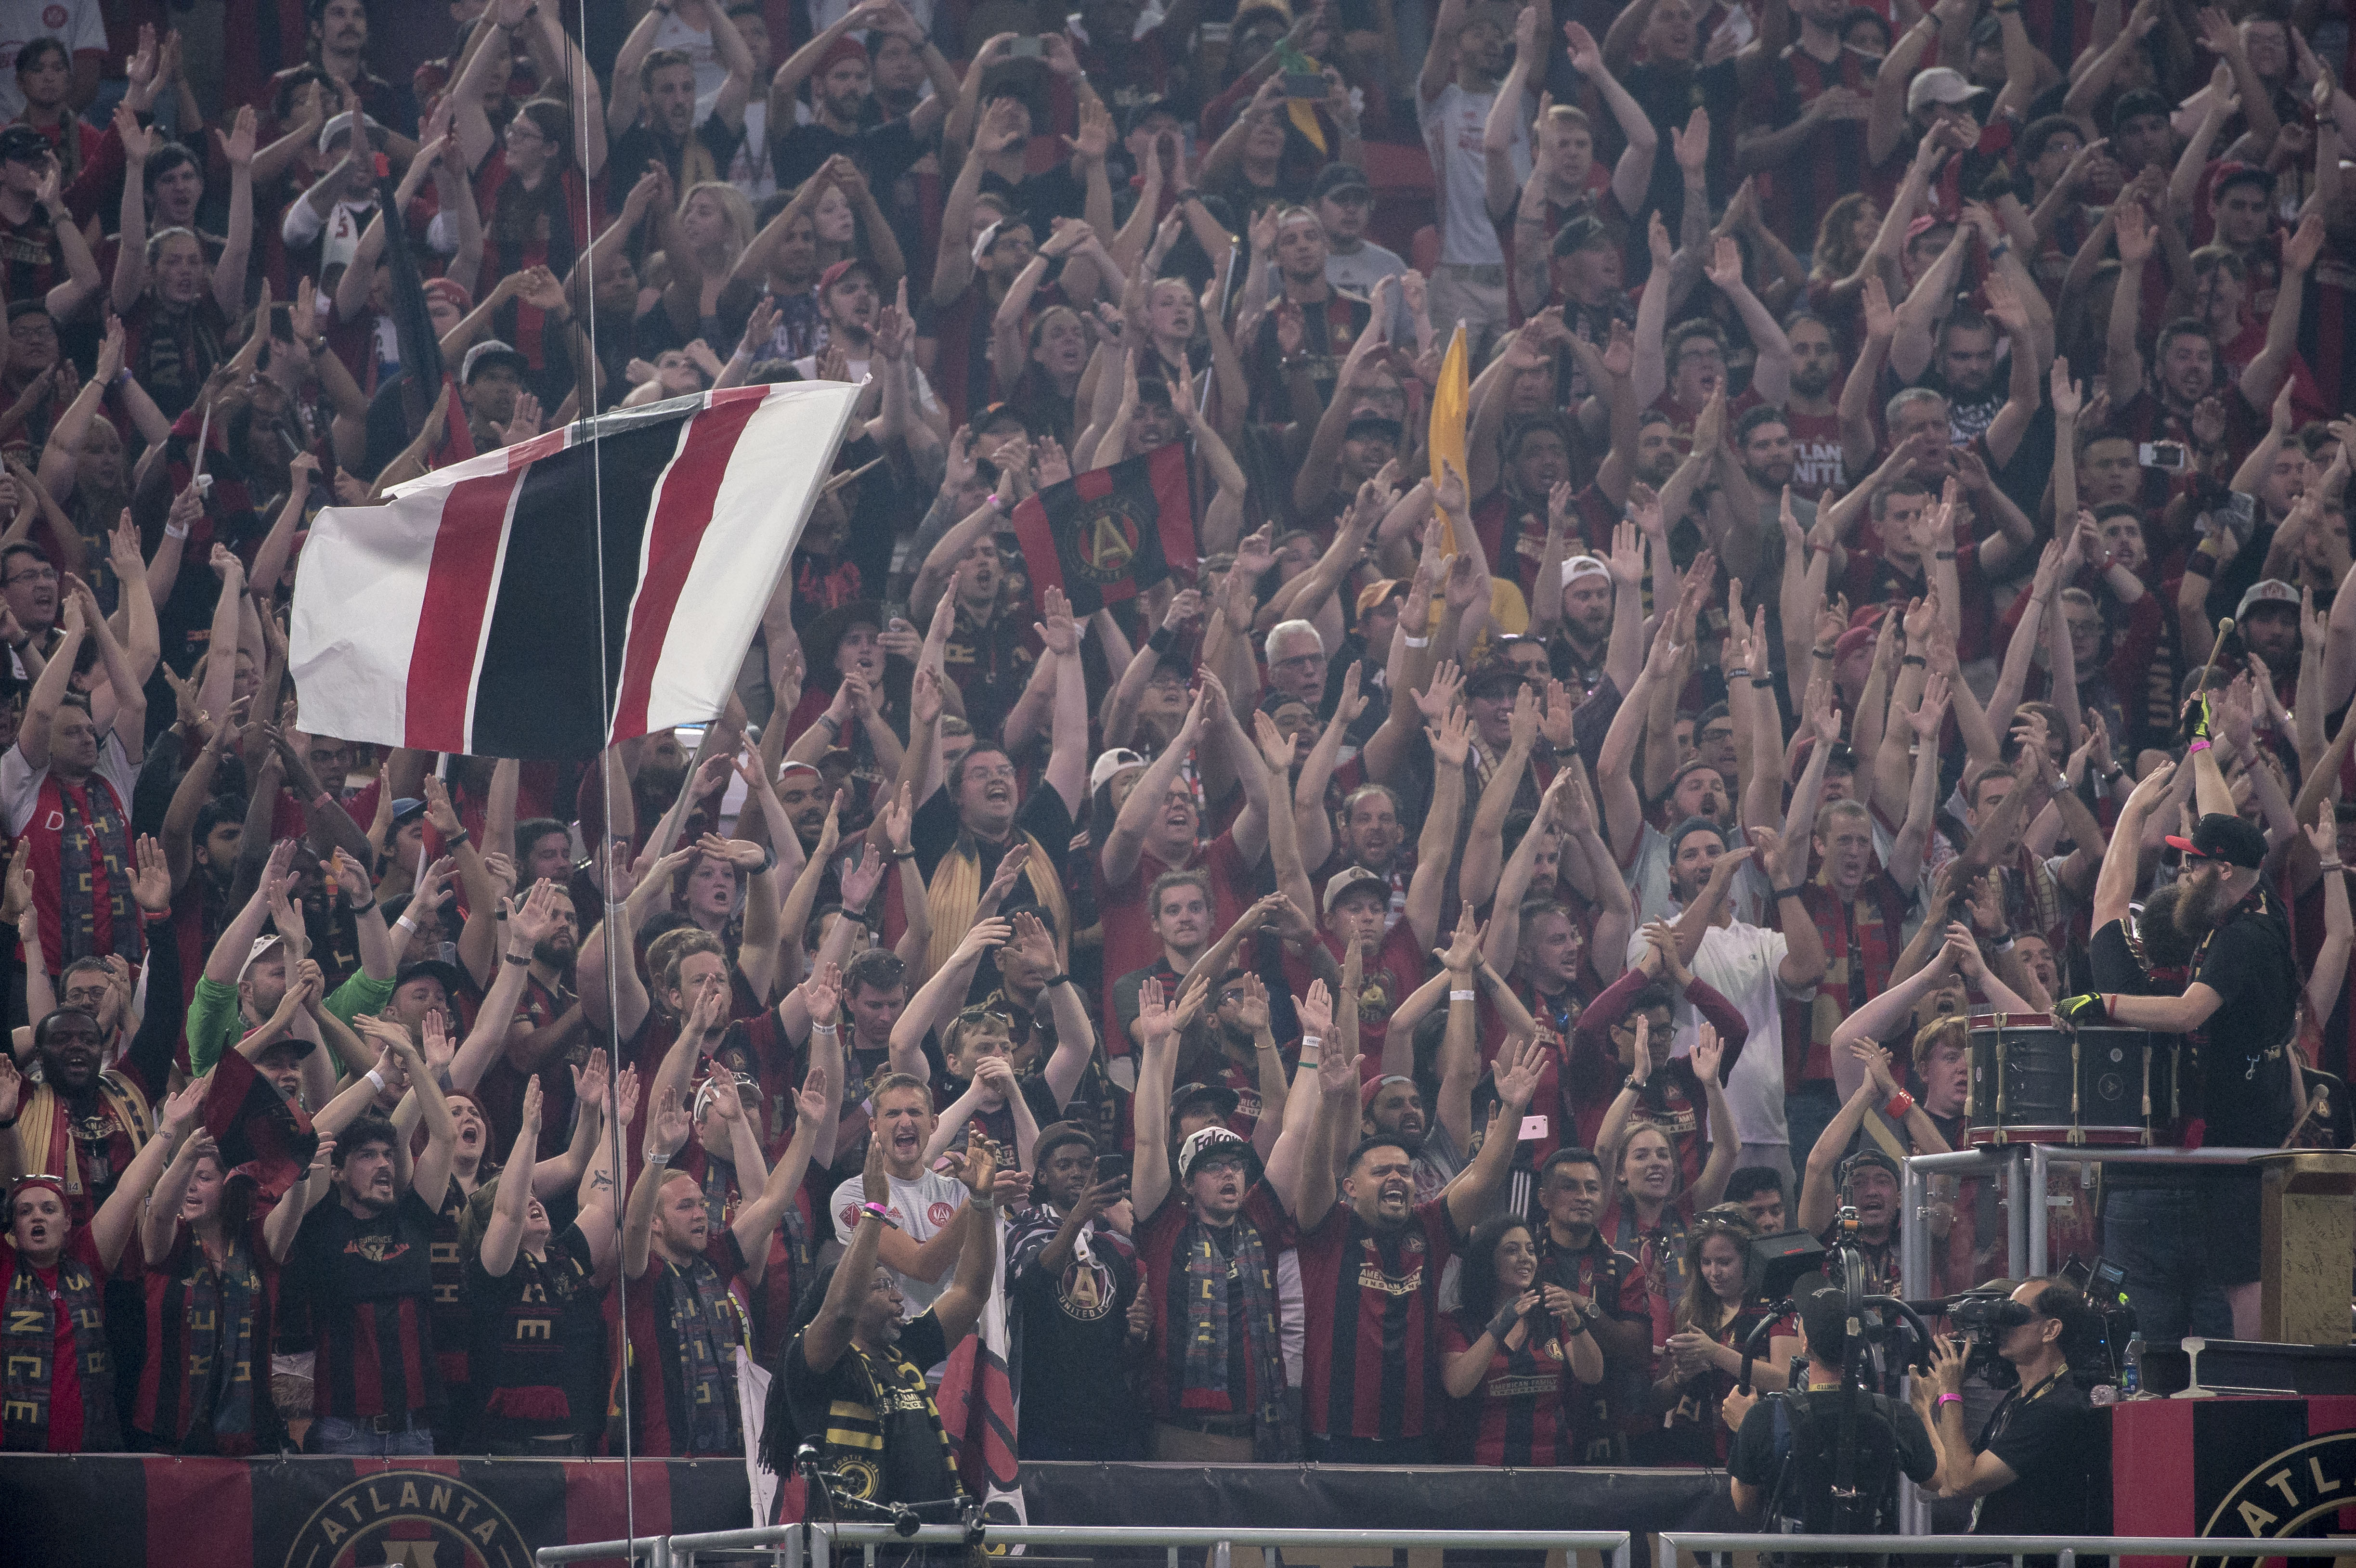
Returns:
point(1111, 1168)
point(2241, 513)
point(2167, 455)
point(1025, 48)
point(1533, 1129)
point(1305, 85)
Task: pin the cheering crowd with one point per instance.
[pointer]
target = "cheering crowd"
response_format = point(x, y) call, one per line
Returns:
point(1361, 988)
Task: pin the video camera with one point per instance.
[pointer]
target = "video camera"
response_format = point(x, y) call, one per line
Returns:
point(1983, 1318)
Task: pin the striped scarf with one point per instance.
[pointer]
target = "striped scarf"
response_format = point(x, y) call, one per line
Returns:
point(1862, 941)
point(705, 1327)
point(45, 1130)
point(1209, 1323)
point(954, 893)
point(81, 847)
point(27, 1357)
point(212, 1326)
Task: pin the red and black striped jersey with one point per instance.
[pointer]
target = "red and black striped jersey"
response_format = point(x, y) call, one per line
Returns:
point(1382, 1289)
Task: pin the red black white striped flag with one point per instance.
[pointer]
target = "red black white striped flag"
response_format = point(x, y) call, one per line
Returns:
point(465, 615)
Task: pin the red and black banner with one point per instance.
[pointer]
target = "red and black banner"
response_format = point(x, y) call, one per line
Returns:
point(2240, 1469)
point(1109, 534)
point(106, 1510)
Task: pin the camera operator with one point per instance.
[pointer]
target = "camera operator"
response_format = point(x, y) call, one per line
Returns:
point(1794, 1470)
point(2028, 1470)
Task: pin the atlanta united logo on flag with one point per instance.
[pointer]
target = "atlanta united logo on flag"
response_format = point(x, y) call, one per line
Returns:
point(1107, 537)
point(412, 1517)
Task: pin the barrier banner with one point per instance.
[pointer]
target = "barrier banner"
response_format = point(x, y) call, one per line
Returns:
point(1373, 1496)
point(2240, 1469)
point(120, 1510)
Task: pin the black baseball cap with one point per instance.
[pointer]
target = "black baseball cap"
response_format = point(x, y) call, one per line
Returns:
point(2218, 836)
point(1333, 180)
point(2133, 104)
point(23, 144)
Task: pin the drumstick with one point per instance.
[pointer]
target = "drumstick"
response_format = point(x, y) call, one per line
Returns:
point(838, 481)
point(2225, 630)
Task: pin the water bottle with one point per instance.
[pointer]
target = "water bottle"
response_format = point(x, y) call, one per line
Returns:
point(2131, 1375)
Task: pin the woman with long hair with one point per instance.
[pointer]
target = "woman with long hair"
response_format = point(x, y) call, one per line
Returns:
point(536, 1339)
point(1653, 1205)
point(1504, 1352)
point(204, 1387)
point(1703, 1358)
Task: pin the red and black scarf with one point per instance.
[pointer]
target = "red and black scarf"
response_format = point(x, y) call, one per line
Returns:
point(206, 1325)
point(81, 846)
point(29, 1353)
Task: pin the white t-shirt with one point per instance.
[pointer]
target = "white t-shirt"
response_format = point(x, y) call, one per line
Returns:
point(1453, 123)
point(1648, 881)
point(77, 22)
point(1361, 270)
point(807, 367)
point(923, 1207)
point(20, 783)
point(1740, 961)
point(711, 70)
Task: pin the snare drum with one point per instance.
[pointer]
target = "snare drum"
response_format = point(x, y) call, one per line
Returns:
point(2034, 1080)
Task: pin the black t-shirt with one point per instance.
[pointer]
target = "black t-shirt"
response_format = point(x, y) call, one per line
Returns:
point(2114, 963)
point(874, 1419)
point(1073, 1325)
point(882, 153)
point(2047, 1443)
point(642, 144)
point(2244, 1068)
point(537, 1359)
point(1888, 1433)
point(1042, 815)
point(368, 1285)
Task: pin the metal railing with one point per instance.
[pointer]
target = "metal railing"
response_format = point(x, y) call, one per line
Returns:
point(2027, 1173)
point(1976, 1548)
point(785, 1541)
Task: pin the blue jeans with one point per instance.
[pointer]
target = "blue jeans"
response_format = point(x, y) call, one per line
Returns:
point(339, 1434)
point(2156, 1234)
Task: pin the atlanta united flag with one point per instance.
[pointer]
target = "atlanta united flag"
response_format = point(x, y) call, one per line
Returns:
point(586, 586)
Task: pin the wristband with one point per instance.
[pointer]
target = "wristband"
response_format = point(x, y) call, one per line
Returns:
point(1944, 1398)
point(1937, 25)
point(1898, 1105)
point(1942, 555)
point(1467, 996)
point(452, 840)
point(901, 855)
point(1308, 1062)
point(499, 909)
point(1502, 1323)
point(1914, 658)
point(1162, 640)
point(524, 962)
point(2199, 563)
point(658, 1158)
point(987, 1205)
point(1311, 1042)
point(1051, 981)
point(376, 1076)
point(822, 1029)
point(2196, 746)
point(2328, 865)
point(1763, 680)
point(6, 1125)
point(1820, 653)
point(1631, 1084)
point(1417, 642)
point(172, 533)
point(406, 923)
point(1791, 892)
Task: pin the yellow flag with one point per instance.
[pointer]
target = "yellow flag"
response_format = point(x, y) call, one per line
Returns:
point(1450, 405)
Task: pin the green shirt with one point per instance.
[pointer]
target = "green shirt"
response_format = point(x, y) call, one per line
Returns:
point(215, 1024)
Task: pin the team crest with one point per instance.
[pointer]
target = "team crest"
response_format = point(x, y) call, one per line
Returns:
point(377, 1248)
point(413, 1517)
point(1107, 536)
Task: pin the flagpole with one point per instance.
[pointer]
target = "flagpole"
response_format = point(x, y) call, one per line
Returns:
point(584, 400)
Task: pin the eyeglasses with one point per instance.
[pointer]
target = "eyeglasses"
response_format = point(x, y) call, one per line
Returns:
point(38, 574)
